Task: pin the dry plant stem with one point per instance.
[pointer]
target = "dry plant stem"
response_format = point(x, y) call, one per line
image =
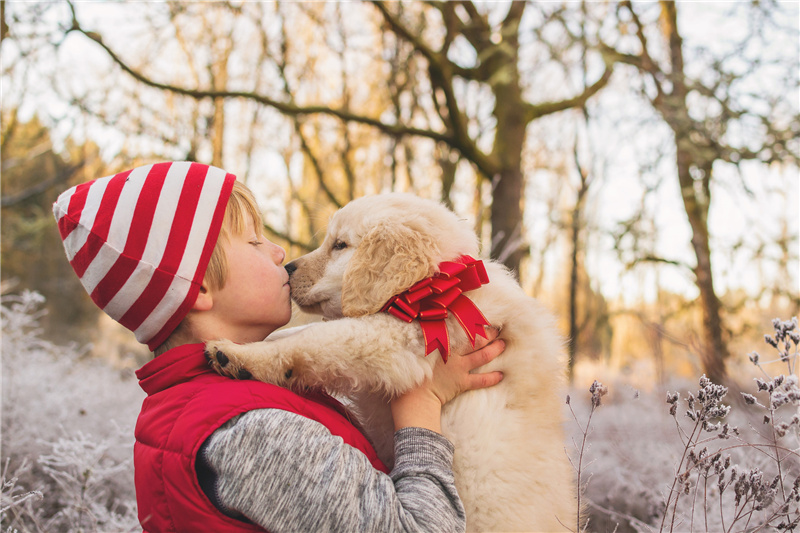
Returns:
point(642, 526)
point(750, 515)
point(775, 445)
point(674, 511)
point(585, 431)
point(785, 332)
point(689, 444)
point(756, 446)
point(694, 506)
point(597, 390)
point(738, 511)
point(705, 501)
point(768, 521)
point(580, 463)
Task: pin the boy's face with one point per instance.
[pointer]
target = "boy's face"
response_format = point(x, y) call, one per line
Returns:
point(255, 300)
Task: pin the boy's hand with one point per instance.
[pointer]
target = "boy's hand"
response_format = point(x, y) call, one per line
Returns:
point(454, 377)
point(422, 406)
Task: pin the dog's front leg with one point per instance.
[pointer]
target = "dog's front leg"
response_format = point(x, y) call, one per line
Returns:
point(375, 353)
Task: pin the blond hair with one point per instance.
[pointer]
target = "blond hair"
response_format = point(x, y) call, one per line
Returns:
point(241, 208)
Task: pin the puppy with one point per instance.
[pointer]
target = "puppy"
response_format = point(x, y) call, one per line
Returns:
point(510, 465)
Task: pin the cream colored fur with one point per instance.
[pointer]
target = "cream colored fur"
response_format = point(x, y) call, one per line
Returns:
point(510, 464)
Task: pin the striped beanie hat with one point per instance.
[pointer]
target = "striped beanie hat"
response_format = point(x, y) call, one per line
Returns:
point(140, 241)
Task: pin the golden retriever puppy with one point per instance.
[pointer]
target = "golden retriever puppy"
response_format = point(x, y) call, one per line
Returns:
point(510, 464)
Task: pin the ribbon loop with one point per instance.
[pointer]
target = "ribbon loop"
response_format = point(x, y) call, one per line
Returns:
point(443, 285)
point(419, 294)
point(431, 301)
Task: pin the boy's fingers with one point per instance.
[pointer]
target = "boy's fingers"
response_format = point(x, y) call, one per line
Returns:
point(491, 334)
point(486, 354)
point(482, 381)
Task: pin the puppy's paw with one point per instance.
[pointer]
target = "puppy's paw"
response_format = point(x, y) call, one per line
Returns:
point(222, 357)
point(256, 360)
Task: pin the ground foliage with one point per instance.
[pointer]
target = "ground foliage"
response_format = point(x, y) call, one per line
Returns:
point(707, 459)
point(702, 461)
point(67, 431)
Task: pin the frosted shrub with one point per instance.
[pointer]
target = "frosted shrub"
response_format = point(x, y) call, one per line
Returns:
point(14, 496)
point(82, 469)
point(20, 315)
point(719, 469)
point(67, 432)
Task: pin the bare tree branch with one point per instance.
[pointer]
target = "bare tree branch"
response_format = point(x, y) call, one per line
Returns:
point(441, 72)
point(662, 260)
point(306, 147)
point(14, 199)
point(284, 107)
point(407, 35)
point(534, 111)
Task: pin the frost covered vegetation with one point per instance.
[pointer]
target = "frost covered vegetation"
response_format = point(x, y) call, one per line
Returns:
point(67, 432)
point(708, 459)
point(701, 461)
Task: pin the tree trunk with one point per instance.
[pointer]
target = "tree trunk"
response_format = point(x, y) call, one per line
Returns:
point(576, 224)
point(572, 340)
point(3, 24)
point(714, 350)
point(509, 187)
point(219, 79)
point(507, 244)
point(218, 138)
point(449, 164)
point(696, 200)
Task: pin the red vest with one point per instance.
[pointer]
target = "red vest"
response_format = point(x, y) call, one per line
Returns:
point(186, 402)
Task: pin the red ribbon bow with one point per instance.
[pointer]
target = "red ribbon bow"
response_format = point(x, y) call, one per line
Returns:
point(432, 299)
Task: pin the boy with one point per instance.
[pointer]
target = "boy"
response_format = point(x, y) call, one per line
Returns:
point(174, 252)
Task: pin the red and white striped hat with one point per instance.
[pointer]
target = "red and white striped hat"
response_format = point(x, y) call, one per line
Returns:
point(140, 241)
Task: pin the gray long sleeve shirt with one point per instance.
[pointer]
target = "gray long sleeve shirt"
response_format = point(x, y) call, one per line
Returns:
point(286, 472)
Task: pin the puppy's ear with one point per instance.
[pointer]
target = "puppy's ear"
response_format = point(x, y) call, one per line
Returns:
point(388, 260)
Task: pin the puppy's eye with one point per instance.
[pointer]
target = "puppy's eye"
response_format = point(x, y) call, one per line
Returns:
point(339, 245)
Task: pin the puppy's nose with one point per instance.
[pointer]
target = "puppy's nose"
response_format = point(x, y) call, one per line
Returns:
point(290, 267)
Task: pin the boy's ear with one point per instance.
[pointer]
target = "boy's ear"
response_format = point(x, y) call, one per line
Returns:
point(204, 301)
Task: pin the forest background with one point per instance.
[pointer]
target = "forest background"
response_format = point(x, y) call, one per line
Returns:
point(635, 163)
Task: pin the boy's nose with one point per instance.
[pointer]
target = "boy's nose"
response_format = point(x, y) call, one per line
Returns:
point(290, 267)
point(278, 254)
